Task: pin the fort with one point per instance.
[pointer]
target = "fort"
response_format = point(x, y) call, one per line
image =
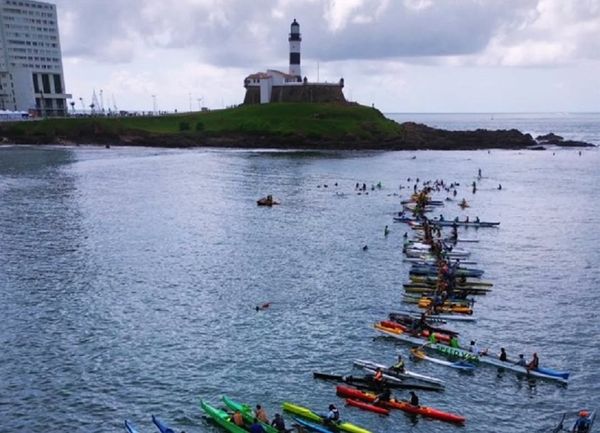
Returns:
point(276, 86)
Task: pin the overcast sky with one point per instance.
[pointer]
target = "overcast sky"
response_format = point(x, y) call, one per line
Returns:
point(401, 55)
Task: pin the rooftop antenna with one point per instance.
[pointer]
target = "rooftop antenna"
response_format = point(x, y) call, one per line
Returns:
point(94, 103)
point(101, 100)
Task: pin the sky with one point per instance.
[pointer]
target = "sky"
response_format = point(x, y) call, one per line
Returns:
point(399, 55)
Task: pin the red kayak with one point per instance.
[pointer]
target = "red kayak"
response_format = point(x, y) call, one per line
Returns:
point(425, 333)
point(366, 406)
point(351, 393)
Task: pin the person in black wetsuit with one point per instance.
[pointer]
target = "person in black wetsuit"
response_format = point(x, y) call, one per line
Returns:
point(502, 356)
point(414, 400)
point(278, 423)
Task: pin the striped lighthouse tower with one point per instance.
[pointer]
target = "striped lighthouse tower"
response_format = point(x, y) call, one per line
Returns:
point(295, 40)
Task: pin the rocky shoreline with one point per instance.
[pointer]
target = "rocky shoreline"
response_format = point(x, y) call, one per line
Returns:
point(413, 136)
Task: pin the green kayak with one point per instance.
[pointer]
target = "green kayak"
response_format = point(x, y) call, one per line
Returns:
point(221, 417)
point(311, 416)
point(247, 413)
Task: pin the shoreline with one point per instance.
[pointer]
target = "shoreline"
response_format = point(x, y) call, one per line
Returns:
point(272, 126)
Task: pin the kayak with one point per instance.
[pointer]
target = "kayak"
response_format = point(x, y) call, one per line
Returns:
point(221, 417)
point(311, 416)
point(459, 365)
point(161, 425)
point(426, 301)
point(430, 260)
point(427, 270)
point(447, 223)
point(410, 321)
point(247, 413)
point(129, 427)
point(319, 428)
point(447, 308)
point(367, 382)
point(366, 406)
point(429, 291)
point(541, 372)
point(558, 376)
point(407, 375)
point(424, 333)
point(433, 281)
point(429, 412)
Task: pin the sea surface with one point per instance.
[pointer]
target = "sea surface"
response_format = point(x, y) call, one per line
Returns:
point(129, 277)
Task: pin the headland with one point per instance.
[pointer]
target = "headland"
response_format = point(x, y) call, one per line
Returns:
point(280, 125)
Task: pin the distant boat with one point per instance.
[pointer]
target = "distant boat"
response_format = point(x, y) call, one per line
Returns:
point(266, 201)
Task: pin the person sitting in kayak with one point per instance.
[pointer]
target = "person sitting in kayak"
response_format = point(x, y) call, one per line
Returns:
point(256, 427)
point(399, 365)
point(378, 378)
point(583, 423)
point(261, 414)
point(454, 342)
point(333, 416)
point(237, 418)
point(502, 356)
point(385, 396)
point(521, 361)
point(467, 219)
point(534, 363)
point(474, 349)
point(477, 220)
point(278, 423)
point(414, 400)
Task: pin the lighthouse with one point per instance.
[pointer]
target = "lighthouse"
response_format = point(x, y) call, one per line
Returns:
point(295, 40)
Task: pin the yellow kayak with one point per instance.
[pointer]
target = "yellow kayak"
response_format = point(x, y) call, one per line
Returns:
point(311, 416)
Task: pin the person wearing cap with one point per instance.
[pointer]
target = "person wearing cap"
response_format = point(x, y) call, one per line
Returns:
point(583, 423)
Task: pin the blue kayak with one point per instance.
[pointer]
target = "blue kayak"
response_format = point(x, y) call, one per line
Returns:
point(312, 426)
point(161, 425)
point(130, 427)
point(555, 373)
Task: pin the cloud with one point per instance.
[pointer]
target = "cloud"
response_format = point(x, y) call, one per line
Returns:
point(233, 33)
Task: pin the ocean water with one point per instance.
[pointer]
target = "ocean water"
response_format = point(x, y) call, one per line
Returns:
point(129, 277)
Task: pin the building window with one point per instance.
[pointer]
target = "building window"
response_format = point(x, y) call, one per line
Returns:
point(57, 84)
point(46, 83)
point(36, 86)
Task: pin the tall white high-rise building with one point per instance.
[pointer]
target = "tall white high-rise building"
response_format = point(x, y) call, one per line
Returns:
point(31, 72)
